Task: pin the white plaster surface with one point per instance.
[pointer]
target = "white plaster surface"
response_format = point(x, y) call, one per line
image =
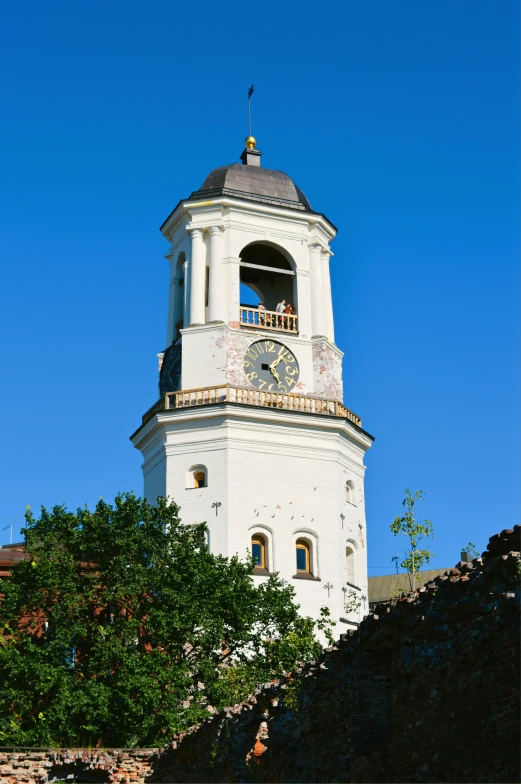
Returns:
point(274, 472)
point(214, 354)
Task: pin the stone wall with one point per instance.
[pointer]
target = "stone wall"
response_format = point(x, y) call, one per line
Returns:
point(427, 690)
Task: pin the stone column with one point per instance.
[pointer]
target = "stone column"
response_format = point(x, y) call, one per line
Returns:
point(317, 291)
point(232, 267)
point(197, 278)
point(171, 301)
point(186, 295)
point(328, 300)
point(303, 302)
point(215, 287)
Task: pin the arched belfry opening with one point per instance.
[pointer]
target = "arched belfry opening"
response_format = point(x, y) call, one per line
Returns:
point(267, 279)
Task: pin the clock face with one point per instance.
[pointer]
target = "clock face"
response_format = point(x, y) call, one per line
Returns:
point(271, 367)
point(170, 375)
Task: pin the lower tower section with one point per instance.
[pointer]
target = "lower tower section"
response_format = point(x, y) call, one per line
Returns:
point(278, 475)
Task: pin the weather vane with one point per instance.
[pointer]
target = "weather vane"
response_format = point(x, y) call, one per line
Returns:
point(250, 93)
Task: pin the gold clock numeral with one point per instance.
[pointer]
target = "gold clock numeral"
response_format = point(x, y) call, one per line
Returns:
point(274, 376)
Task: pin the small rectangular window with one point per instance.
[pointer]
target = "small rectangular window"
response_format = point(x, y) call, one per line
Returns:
point(256, 551)
point(302, 559)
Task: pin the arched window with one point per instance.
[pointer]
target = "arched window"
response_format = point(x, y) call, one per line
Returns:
point(258, 551)
point(350, 565)
point(350, 492)
point(268, 276)
point(196, 476)
point(199, 479)
point(303, 556)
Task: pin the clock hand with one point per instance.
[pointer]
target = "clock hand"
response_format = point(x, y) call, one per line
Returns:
point(274, 372)
point(276, 362)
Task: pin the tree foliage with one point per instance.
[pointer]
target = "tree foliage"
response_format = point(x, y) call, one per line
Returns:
point(414, 530)
point(471, 549)
point(122, 628)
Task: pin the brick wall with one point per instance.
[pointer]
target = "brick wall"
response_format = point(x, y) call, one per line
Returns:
point(36, 766)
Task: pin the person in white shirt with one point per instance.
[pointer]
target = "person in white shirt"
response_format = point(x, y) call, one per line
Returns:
point(281, 307)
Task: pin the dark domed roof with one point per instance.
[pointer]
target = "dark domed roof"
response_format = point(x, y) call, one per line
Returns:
point(254, 184)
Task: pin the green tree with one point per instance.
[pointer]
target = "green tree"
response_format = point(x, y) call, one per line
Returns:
point(471, 549)
point(122, 627)
point(414, 530)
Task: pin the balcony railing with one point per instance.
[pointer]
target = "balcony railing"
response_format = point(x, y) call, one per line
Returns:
point(268, 319)
point(207, 396)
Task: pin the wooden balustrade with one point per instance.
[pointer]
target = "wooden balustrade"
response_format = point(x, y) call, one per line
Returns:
point(224, 393)
point(268, 319)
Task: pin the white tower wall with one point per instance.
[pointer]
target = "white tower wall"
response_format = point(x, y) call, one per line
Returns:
point(271, 470)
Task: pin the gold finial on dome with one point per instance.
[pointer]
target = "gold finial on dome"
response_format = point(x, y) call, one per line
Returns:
point(250, 142)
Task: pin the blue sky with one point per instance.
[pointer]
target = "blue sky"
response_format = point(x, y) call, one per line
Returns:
point(399, 120)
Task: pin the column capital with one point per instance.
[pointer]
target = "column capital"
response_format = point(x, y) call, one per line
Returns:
point(326, 252)
point(195, 233)
point(215, 231)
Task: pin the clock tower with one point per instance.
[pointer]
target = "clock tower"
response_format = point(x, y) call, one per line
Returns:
point(250, 433)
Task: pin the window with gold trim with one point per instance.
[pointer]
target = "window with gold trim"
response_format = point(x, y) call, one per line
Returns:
point(303, 556)
point(199, 479)
point(258, 551)
point(196, 477)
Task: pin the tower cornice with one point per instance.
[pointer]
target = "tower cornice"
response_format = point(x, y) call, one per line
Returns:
point(254, 414)
point(191, 208)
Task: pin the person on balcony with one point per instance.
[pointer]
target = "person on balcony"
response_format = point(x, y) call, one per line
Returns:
point(281, 307)
point(288, 310)
point(262, 308)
